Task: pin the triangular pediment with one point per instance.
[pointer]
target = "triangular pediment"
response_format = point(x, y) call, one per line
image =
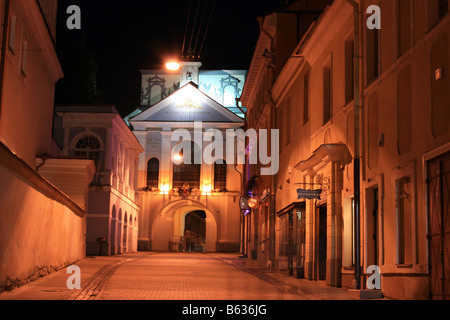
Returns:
point(188, 104)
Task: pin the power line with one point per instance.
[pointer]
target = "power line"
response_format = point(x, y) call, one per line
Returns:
point(193, 30)
point(207, 27)
point(187, 26)
point(201, 24)
point(198, 30)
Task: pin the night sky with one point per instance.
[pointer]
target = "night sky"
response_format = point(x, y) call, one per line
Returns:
point(126, 36)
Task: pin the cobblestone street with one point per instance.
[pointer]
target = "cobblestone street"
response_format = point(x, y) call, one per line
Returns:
point(172, 276)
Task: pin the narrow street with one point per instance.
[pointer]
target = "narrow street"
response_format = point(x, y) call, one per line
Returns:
point(169, 276)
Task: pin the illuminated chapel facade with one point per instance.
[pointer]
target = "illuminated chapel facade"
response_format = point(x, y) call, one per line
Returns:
point(192, 205)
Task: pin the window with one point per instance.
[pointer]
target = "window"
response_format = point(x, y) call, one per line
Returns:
point(404, 112)
point(279, 115)
point(12, 34)
point(436, 10)
point(153, 173)
point(88, 147)
point(348, 254)
point(440, 96)
point(23, 63)
point(306, 98)
point(443, 8)
point(187, 174)
point(327, 92)
point(404, 221)
point(288, 121)
point(403, 26)
point(220, 175)
point(373, 130)
point(349, 67)
point(372, 55)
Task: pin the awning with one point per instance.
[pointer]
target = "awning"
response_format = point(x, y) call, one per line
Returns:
point(292, 206)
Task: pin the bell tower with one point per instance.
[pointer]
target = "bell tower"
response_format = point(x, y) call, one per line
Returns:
point(190, 72)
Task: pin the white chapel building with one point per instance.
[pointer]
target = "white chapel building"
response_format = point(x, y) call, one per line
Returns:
point(192, 205)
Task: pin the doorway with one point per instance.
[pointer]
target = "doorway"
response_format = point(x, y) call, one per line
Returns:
point(373, 226)
point(438, 194)
point(321, 243)
point(195, 232)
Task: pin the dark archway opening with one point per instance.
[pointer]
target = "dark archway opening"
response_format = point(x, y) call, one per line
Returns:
point(195, 232)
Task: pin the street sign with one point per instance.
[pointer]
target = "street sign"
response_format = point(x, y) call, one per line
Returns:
point(309, 194)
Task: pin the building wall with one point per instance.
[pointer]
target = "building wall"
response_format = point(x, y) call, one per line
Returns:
point(30, 72)
point(113, 211)
point(42, 229)
point(42, 217)
point(280, 33)
point(404, 124)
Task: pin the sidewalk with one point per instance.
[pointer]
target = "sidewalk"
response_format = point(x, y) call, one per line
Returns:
point(318, 289)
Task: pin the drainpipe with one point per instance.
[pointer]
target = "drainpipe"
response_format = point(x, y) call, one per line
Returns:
point(3, 50)
point(357, 153)
point(272, 212)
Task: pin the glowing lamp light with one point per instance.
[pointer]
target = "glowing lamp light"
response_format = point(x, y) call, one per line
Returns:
point(177, 157)
point(207, 188)
point(252, 202)
point(165, 188)
point(173, 66)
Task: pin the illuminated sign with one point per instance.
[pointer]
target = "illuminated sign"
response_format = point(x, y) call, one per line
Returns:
point(309, 194)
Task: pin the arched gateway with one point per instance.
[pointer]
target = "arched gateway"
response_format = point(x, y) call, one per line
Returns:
point(169, 190)
point(168, 228)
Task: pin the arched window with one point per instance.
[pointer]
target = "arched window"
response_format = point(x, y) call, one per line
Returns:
point(153, 173)
point(188, 174)
point(220, 175)
point(88, 147)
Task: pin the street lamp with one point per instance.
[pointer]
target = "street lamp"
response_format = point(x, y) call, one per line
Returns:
point(173, 65)
point(252, 202)
point(165, 189)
